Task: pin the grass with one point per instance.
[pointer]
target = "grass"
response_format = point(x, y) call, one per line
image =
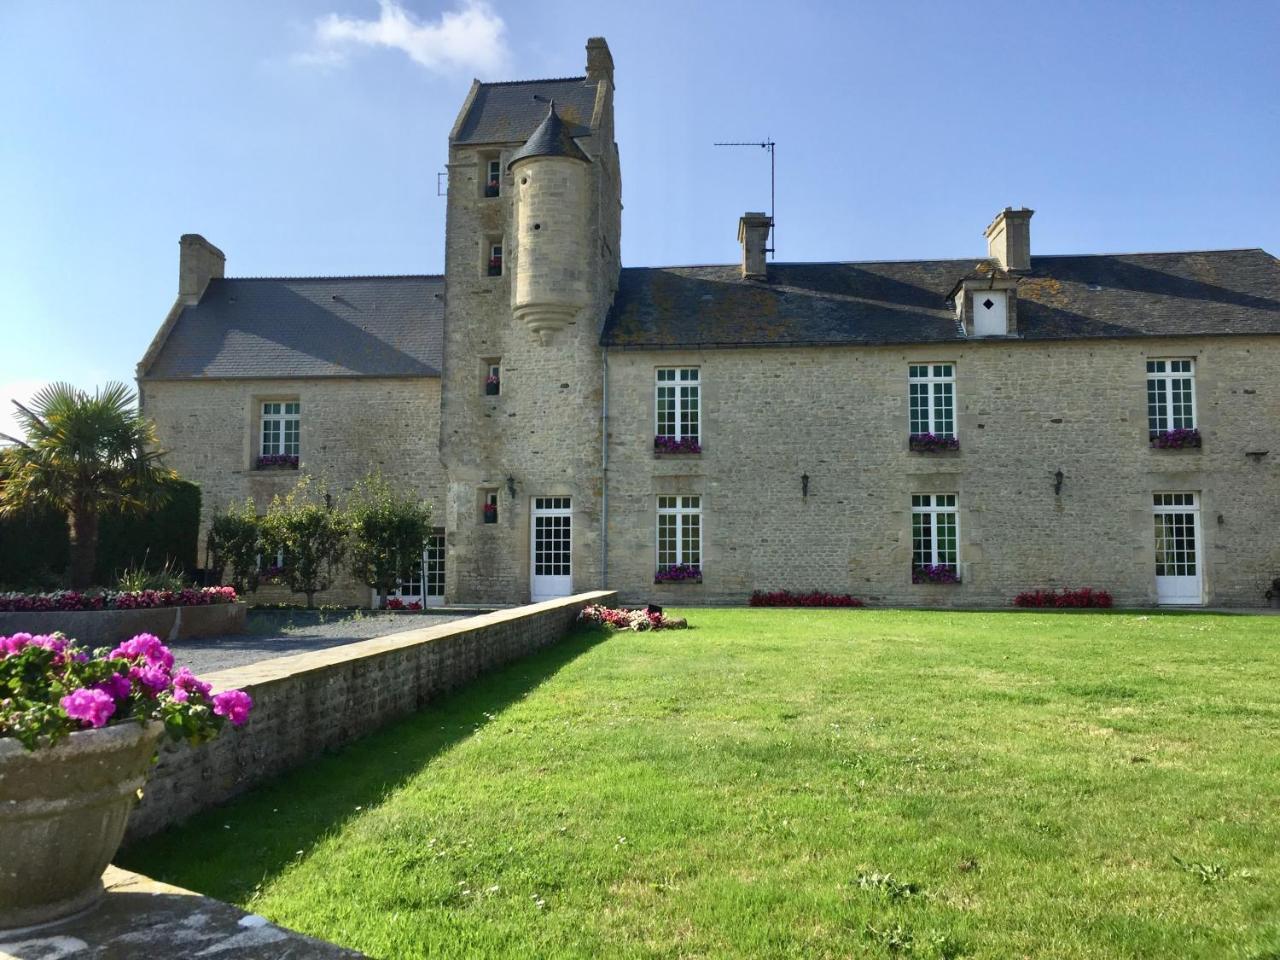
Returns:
point(781, 783)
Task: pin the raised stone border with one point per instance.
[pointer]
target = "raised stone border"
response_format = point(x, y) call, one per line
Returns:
point(312, 702)
point(99, 627)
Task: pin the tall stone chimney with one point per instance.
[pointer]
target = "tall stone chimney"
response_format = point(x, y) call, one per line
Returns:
point(599, 60)
point(753, 234)
point(1009, 239)
point(198, 262)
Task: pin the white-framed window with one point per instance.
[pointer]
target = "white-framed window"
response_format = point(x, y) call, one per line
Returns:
point(281, 421)
point(494, 261)
point(489, 506)
point(493, 178)
point(679, 533)
point(677, 404)
point(1171, 395)
point(935, 535)
point(493, 377)
point(932, 391)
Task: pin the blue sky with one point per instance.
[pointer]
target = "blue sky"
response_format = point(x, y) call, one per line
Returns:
point(304, 137)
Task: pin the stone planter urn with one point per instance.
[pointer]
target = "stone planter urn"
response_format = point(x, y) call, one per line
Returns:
point(63, 811)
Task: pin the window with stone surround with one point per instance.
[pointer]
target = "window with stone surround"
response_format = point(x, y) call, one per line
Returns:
point(677, 408)
point(491, 371)
point(679, 539)
point(493, 265)
point(935, 538)
point(492, 177)
point(279, 432)
point(1171, 396)
point(932, 392)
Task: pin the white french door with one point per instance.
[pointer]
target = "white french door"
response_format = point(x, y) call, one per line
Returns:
point(551, 546)
point(426, 585)
point(1179, 566)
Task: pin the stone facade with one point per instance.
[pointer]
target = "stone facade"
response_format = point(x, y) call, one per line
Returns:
point(348, 428)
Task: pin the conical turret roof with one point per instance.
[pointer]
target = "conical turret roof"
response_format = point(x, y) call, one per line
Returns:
point(551, 139)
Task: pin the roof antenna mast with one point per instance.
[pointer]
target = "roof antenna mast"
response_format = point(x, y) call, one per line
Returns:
point(767, 144)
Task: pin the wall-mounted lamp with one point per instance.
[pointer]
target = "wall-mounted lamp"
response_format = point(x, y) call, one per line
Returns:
point(1221, 520)
point(804, 484)
point(1057, 484)
point(511, 487)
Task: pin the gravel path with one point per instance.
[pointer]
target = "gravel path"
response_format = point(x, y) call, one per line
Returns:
point(274, 633)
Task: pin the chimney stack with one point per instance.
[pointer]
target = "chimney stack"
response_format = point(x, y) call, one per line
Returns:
point(753, 234)
point(599, 60)
point(1009, 239)
point(198, 262)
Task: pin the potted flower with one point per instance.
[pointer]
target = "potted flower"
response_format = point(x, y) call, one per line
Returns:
point(490, 513)
point(491, 188)
point(668, 444)
point(495, 266)
point(78, 735)
point(1181, 438)
point(1274, 593)
point(679, 573)
point(492, 385)
point(274, 461)
point(935, 573)
point(932, 442)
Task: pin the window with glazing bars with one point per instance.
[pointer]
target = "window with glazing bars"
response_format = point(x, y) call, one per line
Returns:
point(679, 532)
point(280, 420)
point(678, 402)
point(934, 531)
point(1171, 395)
point(932, 388)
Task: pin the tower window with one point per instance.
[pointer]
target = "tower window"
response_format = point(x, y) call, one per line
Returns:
point(495, 258)
point(493, 178)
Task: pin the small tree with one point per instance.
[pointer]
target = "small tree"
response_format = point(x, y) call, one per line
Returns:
point(387, 534)
point(312, 535)
point(235, 540)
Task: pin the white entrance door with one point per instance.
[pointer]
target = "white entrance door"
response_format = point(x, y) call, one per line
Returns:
point(426, 585)
point(551, 544)
point(1179, 569)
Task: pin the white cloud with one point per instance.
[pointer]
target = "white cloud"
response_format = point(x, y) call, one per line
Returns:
point(470, 38)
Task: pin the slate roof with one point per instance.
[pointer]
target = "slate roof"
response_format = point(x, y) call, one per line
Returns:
point(1211, 292)
point(307, 327)
point(509, 112)
point(552, 139)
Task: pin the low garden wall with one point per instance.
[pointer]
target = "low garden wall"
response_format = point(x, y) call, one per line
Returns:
point(95, 628)
point(313, 702)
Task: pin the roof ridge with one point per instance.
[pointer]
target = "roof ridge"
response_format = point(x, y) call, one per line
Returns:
point(352, 276)
point(1149, 253)
point(516, 83)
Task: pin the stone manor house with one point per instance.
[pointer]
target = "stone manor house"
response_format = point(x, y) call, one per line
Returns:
point(927, 432)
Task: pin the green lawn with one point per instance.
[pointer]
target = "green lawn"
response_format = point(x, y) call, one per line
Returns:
point(780, 783)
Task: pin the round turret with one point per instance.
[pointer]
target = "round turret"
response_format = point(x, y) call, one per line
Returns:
point(552, 190)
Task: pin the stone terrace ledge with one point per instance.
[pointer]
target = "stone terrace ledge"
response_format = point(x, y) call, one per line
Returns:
point(143, 918)
point(312, 702)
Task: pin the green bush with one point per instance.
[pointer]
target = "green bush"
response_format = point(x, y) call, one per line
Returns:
point(34, 550)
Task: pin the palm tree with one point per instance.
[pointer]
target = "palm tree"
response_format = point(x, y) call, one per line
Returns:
point(85, 456)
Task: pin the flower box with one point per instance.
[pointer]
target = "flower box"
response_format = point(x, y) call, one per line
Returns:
point(278, 461)
point(492, 386)
point(932, 442)
point(686, 445)
point(490, 513)
point(935, 573)
point(495, 266)
point(491, 189)
point(1180, 439)
point(679, 573)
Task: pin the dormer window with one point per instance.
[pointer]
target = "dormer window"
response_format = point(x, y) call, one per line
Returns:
point(493, 178)
point(495, 259)
point(990, 313)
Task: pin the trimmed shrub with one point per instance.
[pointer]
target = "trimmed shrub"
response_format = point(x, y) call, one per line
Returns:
point(814, 598)
point(1084, 597)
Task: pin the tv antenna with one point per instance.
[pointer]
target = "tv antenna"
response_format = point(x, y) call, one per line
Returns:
point(768, 145)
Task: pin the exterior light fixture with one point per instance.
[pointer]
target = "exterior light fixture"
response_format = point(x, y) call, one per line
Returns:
point(804, 484)
point(1057, 484)
point(511, 487)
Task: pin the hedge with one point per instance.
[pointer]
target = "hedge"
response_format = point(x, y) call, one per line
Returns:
point(35, 548)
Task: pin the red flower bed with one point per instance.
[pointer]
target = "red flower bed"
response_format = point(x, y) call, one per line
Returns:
point(63, 600)
point(395, 603)
point(1084, 597)
point(814, 598)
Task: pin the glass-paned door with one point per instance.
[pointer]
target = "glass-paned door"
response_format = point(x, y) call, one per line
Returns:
point(551, 545)
point(1179, 566)
point(426, 585)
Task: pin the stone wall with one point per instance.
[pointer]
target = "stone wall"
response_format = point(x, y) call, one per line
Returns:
point(1025, 410)
point(106, 627)
point(313, 702)
point(349, 427)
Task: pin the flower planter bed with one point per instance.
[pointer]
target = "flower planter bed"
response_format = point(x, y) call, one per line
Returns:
point(110, 617)
point(814, 598)
point(1181, 439)
point(622, 619)
point(931, 443)
point(671, 445)
point(679, 573)
point(935, 573)
point(1084, 597)
point(278, 461)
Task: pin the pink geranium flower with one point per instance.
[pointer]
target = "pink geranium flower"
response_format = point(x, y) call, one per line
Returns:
point(234, 705)
point(91, 707)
